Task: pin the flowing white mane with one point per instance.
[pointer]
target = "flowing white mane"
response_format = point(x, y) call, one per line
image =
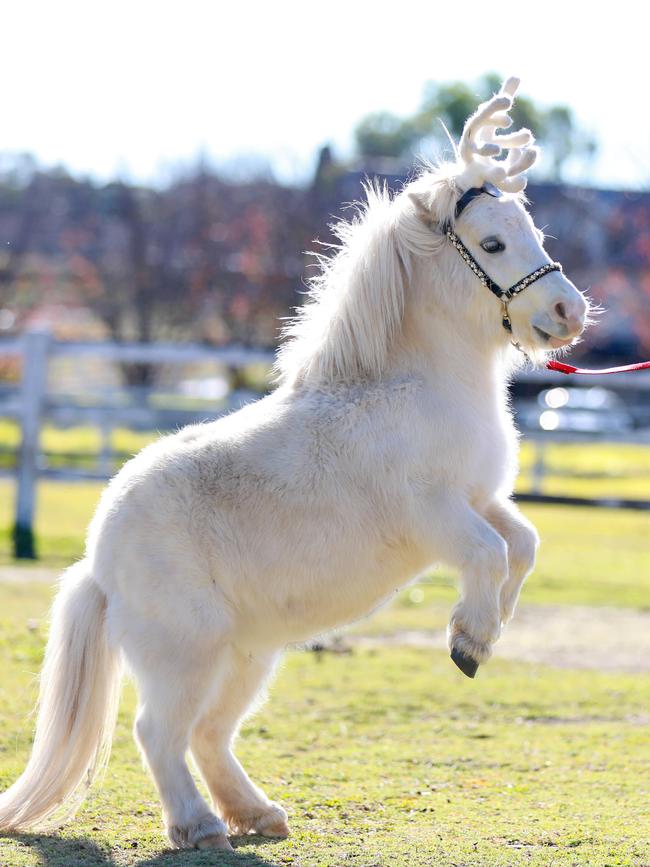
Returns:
point(356, 301)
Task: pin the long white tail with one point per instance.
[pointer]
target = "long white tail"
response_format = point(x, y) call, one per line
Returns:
point(78, 700)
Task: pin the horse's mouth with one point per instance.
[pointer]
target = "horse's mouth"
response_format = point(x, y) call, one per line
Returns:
point(551, 340)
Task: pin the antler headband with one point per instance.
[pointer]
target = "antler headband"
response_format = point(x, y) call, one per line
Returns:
point(480, 143)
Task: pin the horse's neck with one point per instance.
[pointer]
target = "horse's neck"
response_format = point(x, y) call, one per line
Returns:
point(449, 358)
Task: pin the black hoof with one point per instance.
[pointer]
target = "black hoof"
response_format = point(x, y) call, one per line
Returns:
point(466, 664)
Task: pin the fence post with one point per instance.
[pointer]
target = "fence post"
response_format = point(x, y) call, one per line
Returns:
point(539, 467)
point(105, 460)
point(34, 387)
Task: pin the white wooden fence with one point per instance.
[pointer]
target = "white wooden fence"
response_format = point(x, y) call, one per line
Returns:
point(37, 348)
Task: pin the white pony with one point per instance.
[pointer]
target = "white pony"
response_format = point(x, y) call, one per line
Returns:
point(388, 446)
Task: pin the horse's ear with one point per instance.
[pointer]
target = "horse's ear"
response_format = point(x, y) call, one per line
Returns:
point(422, 203)
point(432, 200)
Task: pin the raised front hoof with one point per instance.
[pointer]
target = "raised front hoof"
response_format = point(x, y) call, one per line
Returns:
point(466, 664)
point(271, 822)
point(466, 651)
point(215, 841)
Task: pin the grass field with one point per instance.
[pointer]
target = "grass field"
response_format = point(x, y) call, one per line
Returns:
point(387, 756)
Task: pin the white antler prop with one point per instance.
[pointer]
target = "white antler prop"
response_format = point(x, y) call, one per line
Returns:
point(480, 143)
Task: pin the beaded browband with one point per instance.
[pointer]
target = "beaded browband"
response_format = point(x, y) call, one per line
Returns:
point(504, 295)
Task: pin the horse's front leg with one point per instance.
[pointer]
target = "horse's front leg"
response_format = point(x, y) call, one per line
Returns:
point(465, 540)
point(523, 541)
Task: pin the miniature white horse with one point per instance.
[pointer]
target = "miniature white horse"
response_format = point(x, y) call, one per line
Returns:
point(388, 446)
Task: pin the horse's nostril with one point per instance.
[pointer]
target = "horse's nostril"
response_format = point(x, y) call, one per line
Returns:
point(560, 309)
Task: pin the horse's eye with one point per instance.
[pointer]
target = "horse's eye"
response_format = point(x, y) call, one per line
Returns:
point(493, 245)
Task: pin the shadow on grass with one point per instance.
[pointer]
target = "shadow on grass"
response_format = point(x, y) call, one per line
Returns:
point(55, 851)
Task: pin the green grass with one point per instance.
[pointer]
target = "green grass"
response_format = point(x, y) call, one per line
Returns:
point(63, 510)
point(383, 758)
point(386, 757)
point(589, 469)
point(82, 440)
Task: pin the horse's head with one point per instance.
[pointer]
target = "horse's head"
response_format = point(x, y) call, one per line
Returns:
point(457, 242)
point(490, 249)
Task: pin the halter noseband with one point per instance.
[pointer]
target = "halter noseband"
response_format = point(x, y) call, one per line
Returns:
point(505, 296)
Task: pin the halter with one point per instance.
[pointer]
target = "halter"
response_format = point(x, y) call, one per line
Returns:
point(505, 296)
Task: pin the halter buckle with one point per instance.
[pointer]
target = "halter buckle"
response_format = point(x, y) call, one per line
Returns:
point(505, 315)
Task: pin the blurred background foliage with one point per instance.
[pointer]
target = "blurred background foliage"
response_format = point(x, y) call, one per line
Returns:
point(221, 255)
point(387, 135)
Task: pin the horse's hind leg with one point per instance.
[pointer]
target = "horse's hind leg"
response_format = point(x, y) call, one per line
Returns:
point(173, 683)
point(240, 803)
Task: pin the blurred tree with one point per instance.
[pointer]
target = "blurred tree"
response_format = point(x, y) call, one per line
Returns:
point(386, 135)
point(203, 258)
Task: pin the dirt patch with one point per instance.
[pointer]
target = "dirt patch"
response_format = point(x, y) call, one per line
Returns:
point(608, 639)
point(564, 636)
point(27, 574)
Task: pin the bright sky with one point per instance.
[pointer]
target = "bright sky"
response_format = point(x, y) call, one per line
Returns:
point(136, 87)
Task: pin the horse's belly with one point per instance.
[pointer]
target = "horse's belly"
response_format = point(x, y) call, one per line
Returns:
point(307, 602)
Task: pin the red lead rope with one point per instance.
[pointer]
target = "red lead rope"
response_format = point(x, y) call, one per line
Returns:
point(560, 367)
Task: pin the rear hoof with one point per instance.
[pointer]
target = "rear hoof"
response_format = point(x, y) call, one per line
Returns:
point(274, 824)
point(215, 841)
point(466, 664)
point(194, 835)
point(271, 822)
